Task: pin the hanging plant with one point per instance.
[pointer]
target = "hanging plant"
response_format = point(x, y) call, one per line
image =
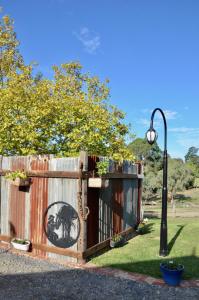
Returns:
point(18, 178)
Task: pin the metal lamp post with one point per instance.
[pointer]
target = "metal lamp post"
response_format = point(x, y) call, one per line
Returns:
point(151, 136)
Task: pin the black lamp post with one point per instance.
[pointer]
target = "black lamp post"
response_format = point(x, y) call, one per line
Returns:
point(151, 136)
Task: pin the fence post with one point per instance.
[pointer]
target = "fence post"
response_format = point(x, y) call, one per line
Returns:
point(82, 243)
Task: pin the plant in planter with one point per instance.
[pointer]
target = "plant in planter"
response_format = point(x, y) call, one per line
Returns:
point(142, 226)
point(116, 240)
point(21, 244)
point(102, 167)
point(18, 178)
point(98, 182)
point(171, 272)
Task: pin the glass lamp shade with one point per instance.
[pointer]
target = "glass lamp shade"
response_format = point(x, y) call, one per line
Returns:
point(151, 136)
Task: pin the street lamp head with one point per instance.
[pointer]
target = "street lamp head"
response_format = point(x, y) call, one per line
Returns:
point(151, 136)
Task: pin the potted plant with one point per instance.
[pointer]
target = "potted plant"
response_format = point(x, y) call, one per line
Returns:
point(171, 272)
point(99, 182)
point(142, 226)
point(116, 240)
point(18, 178)
point(20, 244)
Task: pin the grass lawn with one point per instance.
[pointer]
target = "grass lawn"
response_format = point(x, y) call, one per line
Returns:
point(141, 254)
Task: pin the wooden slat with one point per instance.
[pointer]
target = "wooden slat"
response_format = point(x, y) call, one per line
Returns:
point(5, 238)
point(46, 248)
point(60, 251)
point(49, 174)
point(119, 176)
point(75, 175)
point(92, 250)
point(82, 243)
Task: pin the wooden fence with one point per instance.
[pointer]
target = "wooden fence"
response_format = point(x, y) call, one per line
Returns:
point(59, 213)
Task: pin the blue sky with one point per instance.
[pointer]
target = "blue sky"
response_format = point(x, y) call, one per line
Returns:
point(148, 49)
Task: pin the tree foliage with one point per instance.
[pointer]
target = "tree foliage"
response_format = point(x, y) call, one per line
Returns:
point(60, 116)
point(179, 177)
point(191, 155)
point(192, 160)
point(151, 157)
point(10, 58)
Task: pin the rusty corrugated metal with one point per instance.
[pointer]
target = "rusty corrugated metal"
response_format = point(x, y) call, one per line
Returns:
point(118, 209)
point(17, 200)
point(117, 204)
point(39, 203)
point(63, 190)
point(129, 192)
point(117, 201)
point(112, 209)
point(105, 212)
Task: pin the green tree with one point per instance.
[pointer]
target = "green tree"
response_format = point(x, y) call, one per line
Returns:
point(192, 160)
point(192, 156)
point(151, 157)
point(140, 147)
point(179, 177)
point(60, 116)
point(10, 58)
point(150, 186)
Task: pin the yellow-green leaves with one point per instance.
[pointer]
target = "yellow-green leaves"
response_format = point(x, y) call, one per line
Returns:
point(60, 116)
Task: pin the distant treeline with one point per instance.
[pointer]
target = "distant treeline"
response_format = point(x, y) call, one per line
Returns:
point(181, 174)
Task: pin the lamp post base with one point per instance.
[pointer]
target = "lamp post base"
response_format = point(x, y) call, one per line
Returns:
point(163, 252)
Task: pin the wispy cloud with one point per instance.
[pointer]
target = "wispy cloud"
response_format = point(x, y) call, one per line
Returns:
point(187, 130)
point(187, 141)
point(145, 122)
point(170, 115)
point(89, 39)
point(186, 136)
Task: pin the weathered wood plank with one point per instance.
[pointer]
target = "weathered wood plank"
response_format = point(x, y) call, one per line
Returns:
point(5, 238)
point(83, 184)
point(49, 174)
point(56, 250)
point(92, 250)
point(46, 248)
point(74, 175)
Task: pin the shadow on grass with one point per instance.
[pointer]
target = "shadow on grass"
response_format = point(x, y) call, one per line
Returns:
point(173, 240)
point(152, 267)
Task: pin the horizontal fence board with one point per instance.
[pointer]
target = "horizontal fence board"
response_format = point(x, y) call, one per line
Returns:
point(48, 174)
point(56, 250)
point(74, 175)
point(96, 248)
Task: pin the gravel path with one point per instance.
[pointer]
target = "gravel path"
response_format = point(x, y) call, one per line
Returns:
point(27, 278)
